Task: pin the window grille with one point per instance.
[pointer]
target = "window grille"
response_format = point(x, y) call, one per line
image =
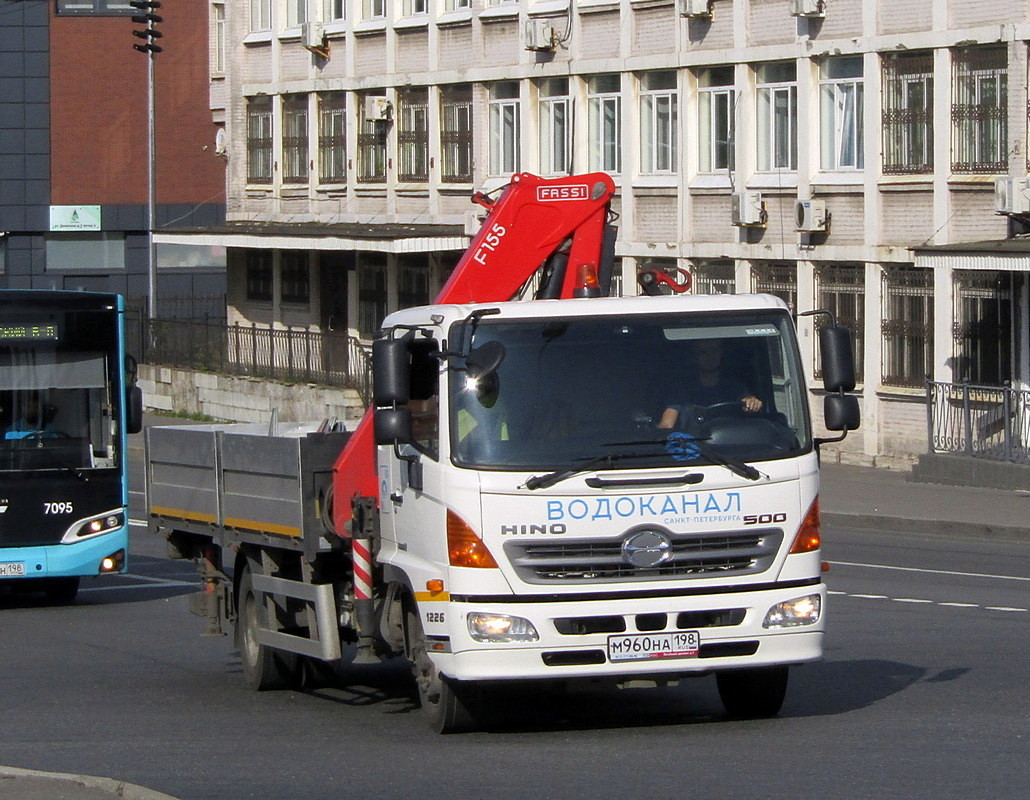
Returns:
point(295, 139)
point(456, 134)
point(840, 288)
point(907, 116)
point(906, 328)
point(979, 113)
point(413, 136)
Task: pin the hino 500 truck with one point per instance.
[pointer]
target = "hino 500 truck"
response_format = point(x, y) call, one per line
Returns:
point(545, 489)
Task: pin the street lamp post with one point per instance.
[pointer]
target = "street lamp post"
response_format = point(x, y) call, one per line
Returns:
point(151, 49)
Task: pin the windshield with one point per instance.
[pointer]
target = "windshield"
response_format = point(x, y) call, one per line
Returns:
point(638, 391)
point(56, 401)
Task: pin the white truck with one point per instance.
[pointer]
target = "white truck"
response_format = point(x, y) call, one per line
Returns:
point(530, 513)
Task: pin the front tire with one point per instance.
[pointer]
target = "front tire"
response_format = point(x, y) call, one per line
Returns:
point(753, 693)
point(445, 702)
point(263, 667)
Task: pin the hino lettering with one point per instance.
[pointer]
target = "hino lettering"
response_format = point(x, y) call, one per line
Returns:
point(531, 530)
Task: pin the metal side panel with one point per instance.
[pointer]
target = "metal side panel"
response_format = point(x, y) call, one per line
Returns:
point(325, 644)
point(261, 484)
point(182, 474)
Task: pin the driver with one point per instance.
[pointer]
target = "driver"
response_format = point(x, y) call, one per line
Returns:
point(35, 419)
point(711, 385)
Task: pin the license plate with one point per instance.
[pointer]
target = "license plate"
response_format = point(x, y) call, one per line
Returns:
point(651, 646)
point(12, 569)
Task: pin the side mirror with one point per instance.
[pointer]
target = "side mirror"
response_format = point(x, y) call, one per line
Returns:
point(134, 410)
point(485, 360)
point(841, 412)
point(392, 425)
point(838, 358)
point(391, 372)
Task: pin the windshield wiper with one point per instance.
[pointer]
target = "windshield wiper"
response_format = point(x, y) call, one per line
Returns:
point(734, 465)
point(588, 465)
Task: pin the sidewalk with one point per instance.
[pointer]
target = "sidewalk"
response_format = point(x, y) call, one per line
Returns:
point(851, 496)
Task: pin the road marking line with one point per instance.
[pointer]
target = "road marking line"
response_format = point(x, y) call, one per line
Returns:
point(960, 605)
point(1004, 608)
point(931, 571)
point(921, 601)
point(910, 600)
point(871, 596)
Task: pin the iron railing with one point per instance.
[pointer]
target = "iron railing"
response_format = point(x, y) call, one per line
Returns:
point(290, 355)
point(990, 422)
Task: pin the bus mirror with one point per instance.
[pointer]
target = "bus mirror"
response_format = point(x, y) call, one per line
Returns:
point(837, 357)
point(392, 425)
point(391, 372)
point(134, 410)
point(841, 412)
point(131, 370)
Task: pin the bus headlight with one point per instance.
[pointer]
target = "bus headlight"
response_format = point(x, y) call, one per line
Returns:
point(792, 613)
point(485, 627)
point(94, 526)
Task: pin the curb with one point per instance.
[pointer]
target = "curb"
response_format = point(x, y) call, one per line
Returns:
point(869, 522)
point(66, 782)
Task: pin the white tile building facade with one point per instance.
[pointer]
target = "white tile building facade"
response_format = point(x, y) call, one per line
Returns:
point(356, 131)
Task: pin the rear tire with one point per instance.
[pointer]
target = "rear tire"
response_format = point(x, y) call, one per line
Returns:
point(446, 703)
point(753, 693)
point(263, 667)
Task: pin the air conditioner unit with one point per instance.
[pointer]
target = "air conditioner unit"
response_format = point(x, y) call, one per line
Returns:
point(539, 34)
point(312, 35)
point(747, 208)
point(810, 215)
point(696, 8)
point(377, 107)
point(1012, 195)
point(808, 8)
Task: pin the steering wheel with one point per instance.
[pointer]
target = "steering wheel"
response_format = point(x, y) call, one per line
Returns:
point(47, 435)
point(724, 409)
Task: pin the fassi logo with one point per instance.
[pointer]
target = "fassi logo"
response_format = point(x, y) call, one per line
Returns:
point(551, 193)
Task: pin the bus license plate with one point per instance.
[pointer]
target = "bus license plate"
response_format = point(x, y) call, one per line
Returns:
point(648, 646)
point(12, 569)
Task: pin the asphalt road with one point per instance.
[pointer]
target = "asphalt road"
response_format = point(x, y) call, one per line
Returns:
point(922, 694)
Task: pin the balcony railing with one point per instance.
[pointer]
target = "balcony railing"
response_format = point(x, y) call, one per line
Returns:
point(990, 422)
point(291, 355)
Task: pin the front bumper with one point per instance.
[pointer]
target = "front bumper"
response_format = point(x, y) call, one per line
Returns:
point(68, 560)
point(725, 642)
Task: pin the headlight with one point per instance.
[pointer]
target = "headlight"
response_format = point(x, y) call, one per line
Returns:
point(94, 526)
point(485, 627)
point(791, 613)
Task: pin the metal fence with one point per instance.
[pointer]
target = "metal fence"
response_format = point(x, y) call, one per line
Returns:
point(990, 422)
point(291, 355)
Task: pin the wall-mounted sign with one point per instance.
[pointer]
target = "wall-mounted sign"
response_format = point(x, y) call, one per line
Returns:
point(74, 218)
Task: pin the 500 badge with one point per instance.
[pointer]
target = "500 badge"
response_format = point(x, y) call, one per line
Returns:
point(764, 519)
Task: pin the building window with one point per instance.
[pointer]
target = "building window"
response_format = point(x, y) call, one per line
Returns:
point(295, 139)
point(412, 281)
point(906, 329)
point(841, 123)
point(259, 276)
point(84, 251)
point(259, 140)
point(295, 276)
point(332, 138)
point(555, 108)
point(218, 38)
point(296, 13)
point(414, 8)
point(715, 119)
point(778, 278)
point(714, 277)
point(94, 7)
point(979, 112)
point(604, 111)
point(372, 135)
point(983, 327)
point(505, 155)
point(658, 123)
point(840, 288)
point(373, 9)
point(456, 134)
point(334, 10)
point(777, 117)
point(456, 5)
point(907, 113)
point(371, 292)
point(413, 135)
point(261, 15)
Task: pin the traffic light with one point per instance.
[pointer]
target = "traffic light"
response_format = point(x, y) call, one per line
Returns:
point(150, 19)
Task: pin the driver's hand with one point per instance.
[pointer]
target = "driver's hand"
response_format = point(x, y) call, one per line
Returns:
point(751, 404)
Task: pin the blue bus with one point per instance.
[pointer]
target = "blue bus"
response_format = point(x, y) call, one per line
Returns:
point(68, 396)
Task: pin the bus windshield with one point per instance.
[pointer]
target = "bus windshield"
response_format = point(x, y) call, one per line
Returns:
point(663, 390)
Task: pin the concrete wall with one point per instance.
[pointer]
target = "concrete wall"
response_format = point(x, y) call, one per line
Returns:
point(233, 399)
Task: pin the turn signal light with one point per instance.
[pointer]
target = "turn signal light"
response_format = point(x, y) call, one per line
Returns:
point(808, 538)
point(464, 548)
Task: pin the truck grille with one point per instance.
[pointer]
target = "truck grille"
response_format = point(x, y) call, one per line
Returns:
point(601, 560)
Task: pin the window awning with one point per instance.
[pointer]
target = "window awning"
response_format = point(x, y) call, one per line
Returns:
point(375, 238)
point(998, 255)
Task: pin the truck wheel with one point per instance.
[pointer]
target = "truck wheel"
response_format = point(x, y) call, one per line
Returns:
point(445, 702)
point(753, 693)
point(263, 667)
